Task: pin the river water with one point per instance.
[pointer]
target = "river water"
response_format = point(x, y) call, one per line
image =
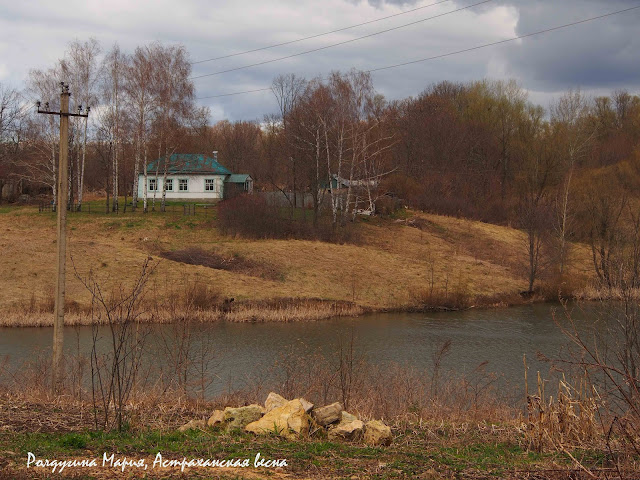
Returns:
point(495, 338)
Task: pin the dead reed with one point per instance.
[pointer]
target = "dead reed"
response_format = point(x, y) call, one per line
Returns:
point(396, 393)
point(204, 307)
point(567, 422)
point(594, 292)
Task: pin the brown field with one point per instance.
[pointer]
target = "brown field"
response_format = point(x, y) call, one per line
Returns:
point(394, 263)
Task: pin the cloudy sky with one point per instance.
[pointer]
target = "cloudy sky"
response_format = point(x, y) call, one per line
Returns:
point(598, 56)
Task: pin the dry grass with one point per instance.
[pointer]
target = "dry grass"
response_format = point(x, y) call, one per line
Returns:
point(569, 421)
point(467, 423)
point(394, 259)
point(274, 310)
point(594, 293)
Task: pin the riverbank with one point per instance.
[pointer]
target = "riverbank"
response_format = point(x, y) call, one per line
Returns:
point(471, 447)
point(280, 310)
point(277, 310)
point(418, 261)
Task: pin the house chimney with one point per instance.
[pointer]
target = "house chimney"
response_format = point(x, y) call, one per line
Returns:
point(215, 155)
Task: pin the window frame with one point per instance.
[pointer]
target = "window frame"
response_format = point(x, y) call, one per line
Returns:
point(168, 185)
point(210, 182)
point(183, 182)
point(153, 185)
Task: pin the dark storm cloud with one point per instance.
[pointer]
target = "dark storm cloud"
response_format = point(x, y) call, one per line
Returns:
point(599, 54)
point(596, 56)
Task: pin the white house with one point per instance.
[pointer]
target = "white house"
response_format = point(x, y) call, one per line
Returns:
point(192, 177)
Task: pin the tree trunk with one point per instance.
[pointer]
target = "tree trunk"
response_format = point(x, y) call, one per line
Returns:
point(146, 183)
point(81, 171)
point(136, 173)
point(563, 224)
point(117, 141)
point(164, 181)
point(153, 201)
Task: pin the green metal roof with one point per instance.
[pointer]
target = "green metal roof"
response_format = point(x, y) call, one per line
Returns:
point(188, 163)
point(237, 178)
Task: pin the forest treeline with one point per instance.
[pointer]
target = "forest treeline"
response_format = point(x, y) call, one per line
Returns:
point(478, 150)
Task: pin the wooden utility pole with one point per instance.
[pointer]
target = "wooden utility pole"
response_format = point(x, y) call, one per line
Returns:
point(61, 208)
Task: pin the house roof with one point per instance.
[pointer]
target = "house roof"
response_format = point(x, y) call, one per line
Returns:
point(237, 178)
point(188, 163)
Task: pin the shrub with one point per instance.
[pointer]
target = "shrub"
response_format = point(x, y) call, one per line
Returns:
point(200, 296)
point(251, 216)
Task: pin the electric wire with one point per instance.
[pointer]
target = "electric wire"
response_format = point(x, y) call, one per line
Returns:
point(503, 41)
point(339, 43)
point(526, 35)
point(320, 34)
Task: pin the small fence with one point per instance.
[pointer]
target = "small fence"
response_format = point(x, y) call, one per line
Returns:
point(187, 209)
point(72, 207)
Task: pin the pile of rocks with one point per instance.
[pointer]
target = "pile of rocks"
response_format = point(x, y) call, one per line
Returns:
point(297, 418)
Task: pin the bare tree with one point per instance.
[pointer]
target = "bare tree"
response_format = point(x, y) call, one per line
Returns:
point(174, 101)
point(288, 90)
point(139, 89)
point(536, 179)
point(114, 371)
point(114, 67)
point(607, 353)
point(82, 69)
point(41, 165)
point(305, 127)
point(604, 203)
point(574, 133)
point(507, 111)
point(11, 118)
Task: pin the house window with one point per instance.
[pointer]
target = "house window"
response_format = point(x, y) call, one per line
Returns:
point(183, 184)
point(153, 184)
point(168, 185)
point(210, 185)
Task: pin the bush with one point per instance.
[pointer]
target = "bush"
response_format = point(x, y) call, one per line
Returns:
point(200, 296)
point(251, 216)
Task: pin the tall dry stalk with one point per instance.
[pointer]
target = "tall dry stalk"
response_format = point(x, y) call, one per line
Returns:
point(114, 369)
point(185, 346)
point(567, 422)
point(609, 354)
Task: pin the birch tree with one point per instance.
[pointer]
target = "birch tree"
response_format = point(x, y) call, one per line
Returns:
point(41, 166)
point(351, 148)
point(569, 118)
point(114, 66)
point(174, 98)
point(140, 95)
point(81, 67)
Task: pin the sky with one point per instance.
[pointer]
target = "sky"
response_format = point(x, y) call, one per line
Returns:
point(597, 57)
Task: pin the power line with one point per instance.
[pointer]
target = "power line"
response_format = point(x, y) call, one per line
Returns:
point(320, 34)
point(461, 51)
point(236, 93)
point(504, 41)
point(339, 43)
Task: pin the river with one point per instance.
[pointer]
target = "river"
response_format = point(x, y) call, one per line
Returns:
point(495, 338)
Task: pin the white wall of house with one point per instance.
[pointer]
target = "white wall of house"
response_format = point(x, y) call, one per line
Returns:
point(196, 187)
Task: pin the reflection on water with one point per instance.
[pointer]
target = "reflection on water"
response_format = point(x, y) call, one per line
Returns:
point(497, 338)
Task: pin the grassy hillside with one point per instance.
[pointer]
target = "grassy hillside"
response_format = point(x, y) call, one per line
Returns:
point(398, 263)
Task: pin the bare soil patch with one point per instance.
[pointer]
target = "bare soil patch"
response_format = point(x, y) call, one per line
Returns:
point(235, 264)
